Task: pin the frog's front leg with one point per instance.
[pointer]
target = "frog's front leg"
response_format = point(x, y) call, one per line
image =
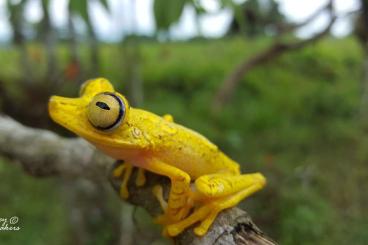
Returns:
point(177, 206)
point(125, 170)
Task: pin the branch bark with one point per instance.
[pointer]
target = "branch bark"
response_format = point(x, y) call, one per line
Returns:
point(275, 50)
point(43, 153)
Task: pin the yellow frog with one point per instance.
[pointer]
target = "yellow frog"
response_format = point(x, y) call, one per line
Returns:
point(204, 181)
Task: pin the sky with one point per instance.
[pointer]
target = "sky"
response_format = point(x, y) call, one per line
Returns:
point(120, 21)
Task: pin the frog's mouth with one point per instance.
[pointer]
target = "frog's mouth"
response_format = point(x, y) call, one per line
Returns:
point(71, 113)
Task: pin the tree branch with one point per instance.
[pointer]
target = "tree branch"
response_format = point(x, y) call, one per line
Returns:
point(278, 48)
point(288, 28)
point(43, 153)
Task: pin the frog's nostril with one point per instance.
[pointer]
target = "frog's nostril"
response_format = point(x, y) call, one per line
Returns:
point(52, 102)
point(52, 106)
point(52, 98)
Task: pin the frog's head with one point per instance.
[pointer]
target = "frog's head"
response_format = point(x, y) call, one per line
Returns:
point(98, 115)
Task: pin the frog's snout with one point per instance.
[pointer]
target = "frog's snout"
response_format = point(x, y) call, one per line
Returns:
point(55, 105)
point(59, 107)
point(52, 103)
point(52, 106)
point(56, 102)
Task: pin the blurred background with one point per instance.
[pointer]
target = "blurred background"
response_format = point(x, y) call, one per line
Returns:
point(280, 86)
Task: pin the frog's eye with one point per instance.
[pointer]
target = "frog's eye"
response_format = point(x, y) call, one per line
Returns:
point(106, 111)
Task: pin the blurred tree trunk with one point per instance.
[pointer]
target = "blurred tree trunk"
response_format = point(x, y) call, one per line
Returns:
point(132, 64)
point(197, 20)
point(73, 46)
point(132, 68)
point(49, 38)
point(16, 22)
point(361, 31)
point(94, 49)
point(74, 68)
point(364, 85)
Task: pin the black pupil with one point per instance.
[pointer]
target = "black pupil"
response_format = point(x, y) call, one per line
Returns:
point(102, 105)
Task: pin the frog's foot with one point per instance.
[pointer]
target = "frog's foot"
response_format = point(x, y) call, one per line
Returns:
point(124, 170)
point(208, 212)
point(170, 215)
point(158, 193)
point(198, 215)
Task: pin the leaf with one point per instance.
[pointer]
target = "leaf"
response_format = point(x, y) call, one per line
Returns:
point(79, 7)
point(167, 12)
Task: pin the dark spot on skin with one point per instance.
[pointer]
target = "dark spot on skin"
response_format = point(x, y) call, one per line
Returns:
point(102, 105)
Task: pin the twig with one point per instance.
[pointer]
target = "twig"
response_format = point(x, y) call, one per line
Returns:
point(287, 28)
point(278, 48)
point(43, 153)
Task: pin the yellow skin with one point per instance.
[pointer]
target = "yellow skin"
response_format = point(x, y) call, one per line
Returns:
point(204, 181)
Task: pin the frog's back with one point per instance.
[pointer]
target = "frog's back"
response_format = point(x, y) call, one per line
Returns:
point(196, 155)
point(186, 149)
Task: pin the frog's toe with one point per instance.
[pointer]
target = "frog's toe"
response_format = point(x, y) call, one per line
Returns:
point(173, 230)
point(141, 178)
point(162, 219)
point(157, 191)
point(165, 219)
point(200, 231)
point(124, 193)
point(123, 172)
point(118, 170)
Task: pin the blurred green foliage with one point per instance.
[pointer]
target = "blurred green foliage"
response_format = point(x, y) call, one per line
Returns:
point(294, 119)
point(38, 205)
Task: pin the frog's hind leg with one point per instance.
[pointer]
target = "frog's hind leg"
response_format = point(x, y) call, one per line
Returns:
point(217, 192)
point(220, 185)
point(246, 186)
